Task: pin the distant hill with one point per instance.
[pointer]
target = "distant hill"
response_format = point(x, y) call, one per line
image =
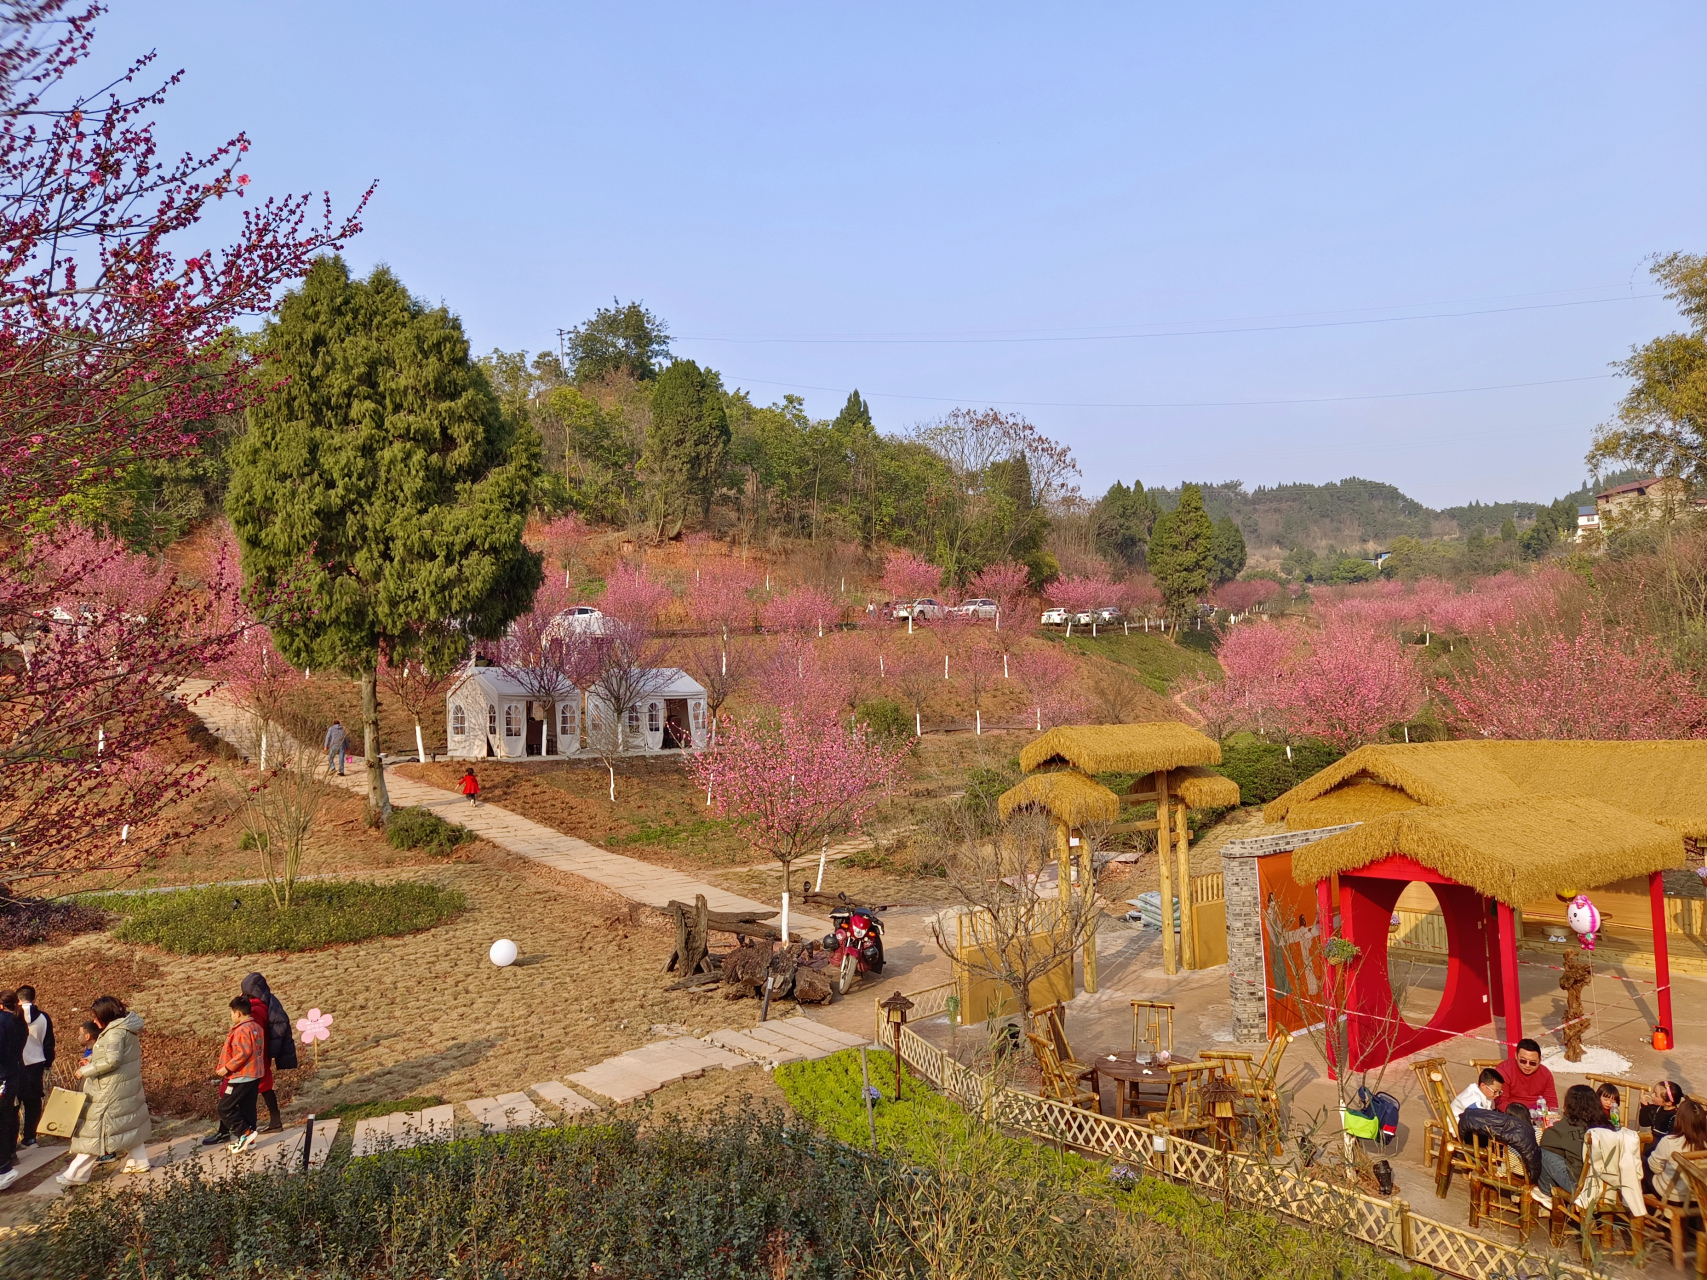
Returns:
point(1355, 514)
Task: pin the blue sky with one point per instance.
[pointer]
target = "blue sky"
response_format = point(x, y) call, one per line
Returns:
point(1192, 241)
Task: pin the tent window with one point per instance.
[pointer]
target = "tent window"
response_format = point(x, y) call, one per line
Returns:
point(458, 721)
point(491, 718)
point(634, 718)
point(565, 719)
point(512, 720)
point(653, 724)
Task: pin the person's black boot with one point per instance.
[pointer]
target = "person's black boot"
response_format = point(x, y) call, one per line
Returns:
point(274, 1124)
point(214, 1139)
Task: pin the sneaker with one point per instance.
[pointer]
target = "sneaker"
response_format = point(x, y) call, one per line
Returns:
point(214, 1139)
point(1541, 1198)
point(64, 1181)
point(243, 1144)
point(28, 1142)
point(108, 1158)
point(9, 1177)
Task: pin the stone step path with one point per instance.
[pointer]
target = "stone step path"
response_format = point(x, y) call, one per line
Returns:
point(634, 879)
point(434, 1124)
point(271, 1151)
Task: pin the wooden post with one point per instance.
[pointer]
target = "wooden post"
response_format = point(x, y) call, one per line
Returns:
point(1508, 980)
point(1164, 859)
point(1088, 887)
point(1187, 934)
point(1662, 959)
point(1330, 1015)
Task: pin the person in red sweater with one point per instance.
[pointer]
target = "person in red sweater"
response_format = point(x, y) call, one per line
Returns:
point(471, 786)
point(1527, 1081)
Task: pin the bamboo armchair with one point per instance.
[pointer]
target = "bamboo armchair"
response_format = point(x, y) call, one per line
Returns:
point(1498, 1192)
point(1057, 1083)
point(1153, 1025)
point(1692, 1171)
point(1051, 1023)
point(1185, 1111)
point(1600, 1223)
point(1442, 1151)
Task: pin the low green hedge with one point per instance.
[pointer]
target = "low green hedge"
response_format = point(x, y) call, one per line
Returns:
point(418, 828)
point(1262, 770)
point(241, 920)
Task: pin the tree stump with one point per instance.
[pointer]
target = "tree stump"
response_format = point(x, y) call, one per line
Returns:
point(1578, 972)
point(744, 969)
point(692, 926)
point(813, 986)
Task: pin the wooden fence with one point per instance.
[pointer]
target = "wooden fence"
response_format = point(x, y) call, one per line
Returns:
point(1248, 1181)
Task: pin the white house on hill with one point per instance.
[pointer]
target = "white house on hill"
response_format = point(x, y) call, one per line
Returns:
point(488, 715)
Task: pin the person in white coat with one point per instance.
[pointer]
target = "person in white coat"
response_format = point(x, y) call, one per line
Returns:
point(117, 1115)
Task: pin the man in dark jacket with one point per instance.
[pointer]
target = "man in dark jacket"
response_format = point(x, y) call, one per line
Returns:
point(1513, 1126)
point(281, 1044)
point(12, 1040)
point(38, 1058)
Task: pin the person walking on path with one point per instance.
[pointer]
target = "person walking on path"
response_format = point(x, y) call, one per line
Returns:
point(279, 1043)
point(242, 1063)
point(471, 786)
point(38, 1057)
point(336, 740)
point(12, 1040)
point(117, 1115)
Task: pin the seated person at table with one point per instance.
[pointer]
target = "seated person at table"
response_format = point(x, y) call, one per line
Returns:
point(1658, 1110)
point(1562, 1144)
point(1611, 1102)
point(1513, 1126)
point(1484, 1093)
point(1688, 1134)
point(1527, 1081)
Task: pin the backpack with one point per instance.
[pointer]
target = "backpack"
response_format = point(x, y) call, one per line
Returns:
point(1373, 1118)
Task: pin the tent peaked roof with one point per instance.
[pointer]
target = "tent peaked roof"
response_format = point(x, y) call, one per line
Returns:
point(1121, 748)
point(1067, 795)
point(1661, 782)
point(1514, 850)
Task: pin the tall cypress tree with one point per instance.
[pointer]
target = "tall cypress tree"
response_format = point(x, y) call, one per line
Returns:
point(689, 436)
point(382, 485)
point(1182, 552)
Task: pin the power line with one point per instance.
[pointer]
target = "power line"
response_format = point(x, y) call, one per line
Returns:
point(1202, 331)
point(1183, 404)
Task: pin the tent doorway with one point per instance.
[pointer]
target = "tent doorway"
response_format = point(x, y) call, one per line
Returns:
point(677, 733)
point(535, 729)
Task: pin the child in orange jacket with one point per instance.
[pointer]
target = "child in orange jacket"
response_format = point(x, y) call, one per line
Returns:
point(242, 1063)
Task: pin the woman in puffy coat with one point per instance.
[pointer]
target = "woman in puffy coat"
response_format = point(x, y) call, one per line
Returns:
point(116, 1118)
point(281, 1044)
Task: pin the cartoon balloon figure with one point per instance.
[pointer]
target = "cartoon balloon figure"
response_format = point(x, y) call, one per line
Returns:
point(1584, 917)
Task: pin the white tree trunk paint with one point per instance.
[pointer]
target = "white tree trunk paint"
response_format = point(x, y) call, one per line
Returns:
point(420, 747)
point(785, 917)
point(945, 666)
point(979, 719)
point(823, 855)
point(1004, 665)
point(263, 748)
point(918, 727)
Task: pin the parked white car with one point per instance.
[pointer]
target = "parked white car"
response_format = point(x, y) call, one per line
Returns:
point(1054, 617)
point(982, 607)
point(1108, 613)
point(921, 610)
point(582, 618)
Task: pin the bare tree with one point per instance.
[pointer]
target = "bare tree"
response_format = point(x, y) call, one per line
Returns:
point(1022, 924)
point(551, 659)
point(277, 814)
point(420, 688)
point(721, 667)
point(630, 671)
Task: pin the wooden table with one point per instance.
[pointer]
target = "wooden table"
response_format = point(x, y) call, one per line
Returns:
point(1147, 1082)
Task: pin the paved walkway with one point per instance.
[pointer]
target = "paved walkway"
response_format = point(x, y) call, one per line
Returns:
point(639, 881)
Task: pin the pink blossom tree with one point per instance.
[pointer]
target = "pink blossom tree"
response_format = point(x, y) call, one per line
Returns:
point(633, 596)
point(980, 666)
point(255, 676)
point(1352, 683)
point(907, 577)
point(1542, 681)
point(563, 541)
point(1045, 673)
point(801, 611)
point(550, 659)
point(1081, 594)
point(720, 599)
point(791, 782)
point(1007, 584)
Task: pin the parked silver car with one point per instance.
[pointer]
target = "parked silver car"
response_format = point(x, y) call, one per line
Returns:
point(1056, 617)
point(982, 607)
point(921, 610)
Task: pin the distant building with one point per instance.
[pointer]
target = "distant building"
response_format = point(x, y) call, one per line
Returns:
point(488, 715)
point(1378, 558)
point(1655, 498)
point(1588, 521)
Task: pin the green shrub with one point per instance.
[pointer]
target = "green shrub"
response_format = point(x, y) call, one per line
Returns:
point(241, 919)
point(1262, 770)
point(418, 828)
point(885, 718)
point(738, 1196)
point(249, 840)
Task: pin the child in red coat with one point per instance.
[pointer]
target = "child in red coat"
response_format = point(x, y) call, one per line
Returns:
point(471, 787)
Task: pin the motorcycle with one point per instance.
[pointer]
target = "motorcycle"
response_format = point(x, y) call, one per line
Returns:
point(857, 943)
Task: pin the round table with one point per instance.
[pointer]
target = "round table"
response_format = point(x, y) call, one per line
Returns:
point(1139, 1082)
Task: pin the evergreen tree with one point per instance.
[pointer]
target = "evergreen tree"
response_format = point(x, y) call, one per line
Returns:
point(689, 436)
point(1121, 522)
point(1182, 552)
point(382, 485)
point(855, 418)
point(1228, 550)
point(627, 340)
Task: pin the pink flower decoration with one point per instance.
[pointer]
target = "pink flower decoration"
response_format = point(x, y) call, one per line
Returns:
point(316, 1026)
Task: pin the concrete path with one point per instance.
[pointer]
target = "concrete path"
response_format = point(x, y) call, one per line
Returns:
point(639, 881)
point(271, 1151)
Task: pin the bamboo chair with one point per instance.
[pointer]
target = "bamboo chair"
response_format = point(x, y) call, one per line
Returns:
point(1498, 1192)
point(1152, 1024)
point(1442, 1150)
point(1057, 1084)
point(1051, 1021)
point(1604, 1217)
point(1184, 1113)
point(1266, 1074)
point(1692, 1174)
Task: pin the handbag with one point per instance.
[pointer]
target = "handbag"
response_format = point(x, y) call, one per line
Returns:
point(63, 1112)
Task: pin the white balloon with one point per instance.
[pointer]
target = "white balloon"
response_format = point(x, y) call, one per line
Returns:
point(503, 953)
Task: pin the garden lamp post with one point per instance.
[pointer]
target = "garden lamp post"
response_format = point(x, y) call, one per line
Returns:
point(895, 1010)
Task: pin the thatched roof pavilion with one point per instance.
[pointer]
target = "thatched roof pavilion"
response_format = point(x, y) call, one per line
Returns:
point(1121, 748)
point(1068, 796)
